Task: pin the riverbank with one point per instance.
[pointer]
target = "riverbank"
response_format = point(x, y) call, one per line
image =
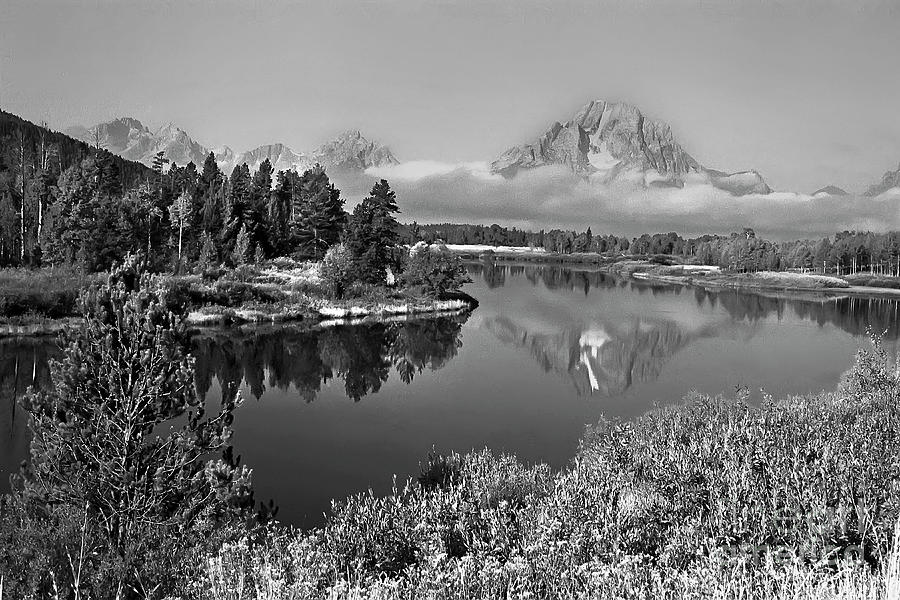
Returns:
point(712, 277)
point(279, 291)
point(784, 282)
point(705, 499)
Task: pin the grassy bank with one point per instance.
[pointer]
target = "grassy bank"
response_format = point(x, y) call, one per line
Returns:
point(796, 498)
point(38, 301)
point(41, 302)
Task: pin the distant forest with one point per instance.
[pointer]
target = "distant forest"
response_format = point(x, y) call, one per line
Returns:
point(844, 253)
point(63, 201)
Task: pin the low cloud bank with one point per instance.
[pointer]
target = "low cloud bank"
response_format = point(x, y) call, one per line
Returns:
point(550, 197)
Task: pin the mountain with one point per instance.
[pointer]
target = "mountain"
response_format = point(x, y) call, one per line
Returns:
point(281, 157)
point(830, 190)
point(613, 141)
point(350, 150)
point(889, 180)
point(65, 149)
point(131, 139)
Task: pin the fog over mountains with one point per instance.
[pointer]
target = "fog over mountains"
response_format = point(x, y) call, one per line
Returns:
point(608, 165)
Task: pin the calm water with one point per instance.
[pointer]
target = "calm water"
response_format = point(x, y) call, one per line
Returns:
point(550, 349)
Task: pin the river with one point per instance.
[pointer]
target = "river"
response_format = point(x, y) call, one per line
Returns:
point(550, 349)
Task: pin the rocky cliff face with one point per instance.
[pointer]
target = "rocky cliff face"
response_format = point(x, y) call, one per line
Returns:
point(889, 180)
point(609, 140)
point(131, 139)
point(350, 150)
point(281, 157)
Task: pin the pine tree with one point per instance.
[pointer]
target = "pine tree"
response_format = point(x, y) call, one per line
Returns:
point(209, 214)
point(123, 436)
point(321, 217)
point(372, 233)
point(238, 205)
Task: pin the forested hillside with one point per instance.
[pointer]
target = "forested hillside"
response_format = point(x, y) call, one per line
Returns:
point(33, 161)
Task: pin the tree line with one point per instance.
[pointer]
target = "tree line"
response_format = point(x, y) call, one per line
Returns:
point(64, 202)
point(846, 252)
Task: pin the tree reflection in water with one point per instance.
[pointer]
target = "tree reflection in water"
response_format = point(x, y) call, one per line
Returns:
point(362, 356)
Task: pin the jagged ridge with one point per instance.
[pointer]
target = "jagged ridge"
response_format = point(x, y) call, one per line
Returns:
point(131, 139)
point(613, 139)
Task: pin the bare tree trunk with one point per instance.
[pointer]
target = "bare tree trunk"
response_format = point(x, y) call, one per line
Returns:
point(20, 139)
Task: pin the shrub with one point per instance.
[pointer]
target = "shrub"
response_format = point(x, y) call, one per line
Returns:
point(710, 499)
point(337, 269)
point(434, 268)
point(122, 442)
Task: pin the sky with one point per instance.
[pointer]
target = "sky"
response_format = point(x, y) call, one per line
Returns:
point(806, 92)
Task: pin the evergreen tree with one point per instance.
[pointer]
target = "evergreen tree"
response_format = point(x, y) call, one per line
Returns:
point(372, 233)
point(123, 439)
point(257, 207)
point(321, 217)
point(210, 212)
point(281, 204)
point(238, 199)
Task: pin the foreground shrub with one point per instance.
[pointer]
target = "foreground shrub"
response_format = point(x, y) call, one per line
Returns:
point(124, 454)
point(711, 499)
point(434, 268)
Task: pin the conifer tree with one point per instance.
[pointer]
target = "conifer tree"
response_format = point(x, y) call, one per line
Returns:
point(321, 217)
point(123, 438)
point(372, 233)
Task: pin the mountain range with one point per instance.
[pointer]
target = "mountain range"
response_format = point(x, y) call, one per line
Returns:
point(609, 142)
point(614, 141)
point(131, 139)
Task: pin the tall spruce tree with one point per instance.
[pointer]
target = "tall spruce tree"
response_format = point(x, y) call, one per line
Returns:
point(321, 217)
point(372, 234)
point(239, 197)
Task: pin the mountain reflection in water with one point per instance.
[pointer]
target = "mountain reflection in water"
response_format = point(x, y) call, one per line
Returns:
point(607, 356)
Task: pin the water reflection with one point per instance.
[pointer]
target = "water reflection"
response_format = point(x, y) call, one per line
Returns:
point(606, 355)
point(362, 356)
point(602, 358)
point(548, 350)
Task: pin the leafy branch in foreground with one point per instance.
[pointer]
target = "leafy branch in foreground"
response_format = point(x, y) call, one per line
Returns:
point(123, 435)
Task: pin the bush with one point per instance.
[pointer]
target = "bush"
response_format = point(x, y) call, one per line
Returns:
point(337, 269)
point(434, 268)
point(122, 449)
point(710, 499)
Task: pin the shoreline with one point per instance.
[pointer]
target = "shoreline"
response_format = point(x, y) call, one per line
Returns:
point(327, 315)
point(699, 276)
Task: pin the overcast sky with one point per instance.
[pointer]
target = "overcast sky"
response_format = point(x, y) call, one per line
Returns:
point(808, 93)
